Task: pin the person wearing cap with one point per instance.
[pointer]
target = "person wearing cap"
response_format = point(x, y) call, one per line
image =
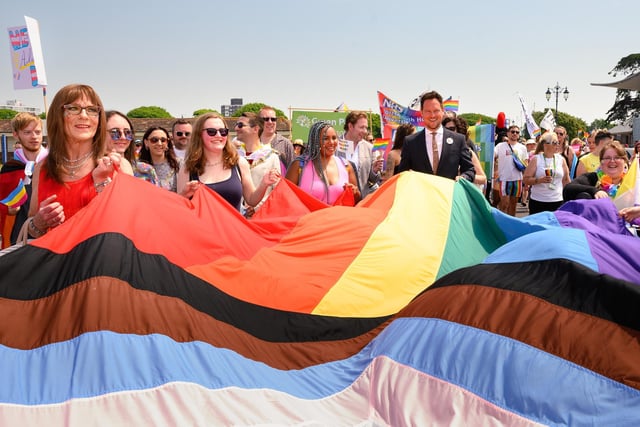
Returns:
point(298, 147)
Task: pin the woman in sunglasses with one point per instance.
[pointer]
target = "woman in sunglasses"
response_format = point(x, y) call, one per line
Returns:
point(547, 173)
point(119, 139)
point(213, 160)
point(157, 151)
point(76, 169)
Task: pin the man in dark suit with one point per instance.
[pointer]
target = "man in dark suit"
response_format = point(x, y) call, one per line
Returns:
point(435, 147)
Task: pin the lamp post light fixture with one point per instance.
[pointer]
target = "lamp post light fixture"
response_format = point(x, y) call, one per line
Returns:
point(557, 90)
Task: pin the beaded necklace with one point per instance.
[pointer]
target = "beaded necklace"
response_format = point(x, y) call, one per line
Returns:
point(605, 183)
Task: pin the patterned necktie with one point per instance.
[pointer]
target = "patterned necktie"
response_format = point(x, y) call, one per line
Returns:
point(436, 157)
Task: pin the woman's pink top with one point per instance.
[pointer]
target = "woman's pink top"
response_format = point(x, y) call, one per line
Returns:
point(311, 182)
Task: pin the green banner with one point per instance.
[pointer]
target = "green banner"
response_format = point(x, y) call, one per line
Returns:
point(301, 122)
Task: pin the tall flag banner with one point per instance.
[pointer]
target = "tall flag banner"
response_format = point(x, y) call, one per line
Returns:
point(483, 137)
point(532, 127)
point(548, 122)
point(27, 60)
point(451, 104)
point(301, 121)
point(394, 114)
point(17, 197)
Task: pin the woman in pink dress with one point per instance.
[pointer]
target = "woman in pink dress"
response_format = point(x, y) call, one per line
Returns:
point(319, 172)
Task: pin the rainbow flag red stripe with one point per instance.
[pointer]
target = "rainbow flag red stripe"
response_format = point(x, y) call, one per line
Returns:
point(451, 104)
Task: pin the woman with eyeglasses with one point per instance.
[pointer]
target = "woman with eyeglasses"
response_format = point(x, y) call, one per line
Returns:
point(547, 173)
point(157, 151)
point(213, 160)
point(605, 181)
point(76, 169)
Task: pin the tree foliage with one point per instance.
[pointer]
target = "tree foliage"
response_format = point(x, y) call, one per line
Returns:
point(151, 112)
point(255, 107)
point(204, 111)
point(472, 119)
point(627, 103)
point(6, 114)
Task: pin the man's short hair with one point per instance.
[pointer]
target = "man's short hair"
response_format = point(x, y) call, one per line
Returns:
point(430, 95)
point(24, 119)
point(353, 118)
point(179, 122)
point(603, 134)
point(254, 120)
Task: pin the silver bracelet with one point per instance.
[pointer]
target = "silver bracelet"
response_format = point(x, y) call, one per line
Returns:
point(34, 230)
point(101, 185)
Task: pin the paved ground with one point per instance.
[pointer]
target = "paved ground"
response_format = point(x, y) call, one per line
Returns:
point(521, 211)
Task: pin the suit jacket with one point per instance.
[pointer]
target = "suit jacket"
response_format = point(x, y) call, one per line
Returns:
point(454, 158)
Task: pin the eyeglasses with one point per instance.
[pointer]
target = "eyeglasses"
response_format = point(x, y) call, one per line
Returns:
point(241, 125)
point(118, 133)
point(273, 119)
point(155, 140)
point(74, 109)
point(183, 133)
point(371, 140)
point(551, 142)
point(514, 131)
point(610, 159)
point(214, 131)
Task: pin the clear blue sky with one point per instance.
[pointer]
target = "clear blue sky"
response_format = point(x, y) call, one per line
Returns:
point(186, 55)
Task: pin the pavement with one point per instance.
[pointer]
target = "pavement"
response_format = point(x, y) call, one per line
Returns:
point(521, 210)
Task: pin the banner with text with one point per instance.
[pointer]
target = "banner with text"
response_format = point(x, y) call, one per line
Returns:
point(394, 114)
point(301, 122)
point(26, 56)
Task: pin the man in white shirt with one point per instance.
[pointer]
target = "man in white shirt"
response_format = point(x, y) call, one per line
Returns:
point(509, 177)
point(180, 136)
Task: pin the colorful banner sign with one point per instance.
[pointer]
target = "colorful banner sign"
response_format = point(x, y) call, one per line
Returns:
point(301, 122)
point(394, 114)
point(26, 56)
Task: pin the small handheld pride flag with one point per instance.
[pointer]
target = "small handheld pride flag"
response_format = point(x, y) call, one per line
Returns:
point(17, 197)
point(451, 104)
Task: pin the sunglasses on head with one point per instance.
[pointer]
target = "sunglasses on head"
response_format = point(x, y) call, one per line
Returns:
point(214, 131)
point(155, 140)
point(272, 119)
point(118, 133)
point(183, 133)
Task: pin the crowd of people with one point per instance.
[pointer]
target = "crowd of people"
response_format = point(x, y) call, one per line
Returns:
point(88, 146)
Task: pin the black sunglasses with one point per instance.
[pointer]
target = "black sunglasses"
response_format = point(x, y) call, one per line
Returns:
point(514, 131)
point(155, 140)
point(183, 133)
point(242, 125)
point(273, 119)
point(214, 131)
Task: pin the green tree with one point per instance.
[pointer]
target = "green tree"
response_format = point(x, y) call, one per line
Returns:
point(7, 114)
point(599, 124)
point(376, 126)
point(255, 107)
point(43, 116)
point(572, 124)
point(627, 103)
point(472, 119)
point(204, 111)
point(151, 112)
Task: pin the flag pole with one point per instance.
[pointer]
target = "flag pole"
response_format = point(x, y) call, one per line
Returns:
point(44, 99)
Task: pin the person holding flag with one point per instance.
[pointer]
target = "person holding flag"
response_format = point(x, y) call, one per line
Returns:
point(17, 174)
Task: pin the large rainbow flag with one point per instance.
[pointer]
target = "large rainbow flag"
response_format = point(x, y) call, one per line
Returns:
point(421, 306)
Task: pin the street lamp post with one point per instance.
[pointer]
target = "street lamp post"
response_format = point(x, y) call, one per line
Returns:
point(556, 91)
